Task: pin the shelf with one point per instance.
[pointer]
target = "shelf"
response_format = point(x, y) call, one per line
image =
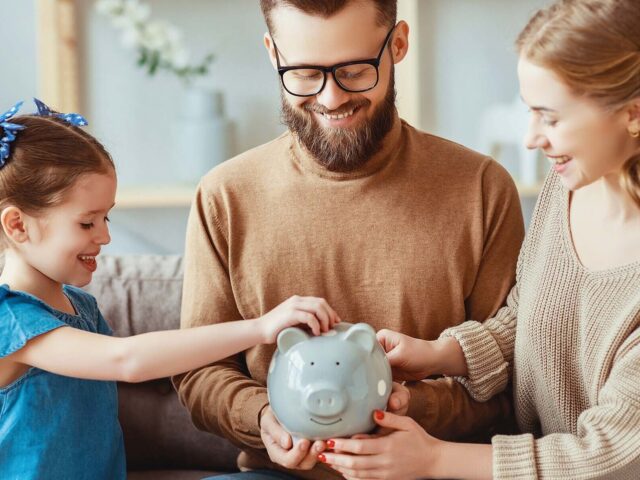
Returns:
point(178, 196)
point(154, 196)
point(529, 190)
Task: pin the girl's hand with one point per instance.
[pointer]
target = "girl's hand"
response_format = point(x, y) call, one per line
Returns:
point(313, 311)
point(410, 358)
point(408, 452)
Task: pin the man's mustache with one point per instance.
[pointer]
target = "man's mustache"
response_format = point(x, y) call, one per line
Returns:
point(347, 107)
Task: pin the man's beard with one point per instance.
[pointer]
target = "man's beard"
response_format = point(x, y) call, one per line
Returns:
point(341, 149)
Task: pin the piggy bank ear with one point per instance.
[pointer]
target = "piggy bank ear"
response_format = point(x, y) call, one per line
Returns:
point(288, 337)
point(362, 334)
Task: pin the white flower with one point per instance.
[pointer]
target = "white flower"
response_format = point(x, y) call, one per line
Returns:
point(136, 11)
point(131, 37)
point(159, 43)
point(178, 57)
point(109, 7)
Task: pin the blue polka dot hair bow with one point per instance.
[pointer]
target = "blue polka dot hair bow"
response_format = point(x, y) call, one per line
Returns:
point(9, 134)
point(74, 119)
point(10, 129)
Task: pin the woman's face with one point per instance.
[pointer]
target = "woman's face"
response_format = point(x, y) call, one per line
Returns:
point(583, 141)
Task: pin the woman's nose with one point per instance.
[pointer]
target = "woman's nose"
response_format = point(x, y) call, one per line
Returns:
point(534, 138)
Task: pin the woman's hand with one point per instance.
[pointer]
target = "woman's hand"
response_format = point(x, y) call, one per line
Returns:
point(410, 358)
point(313, 311)
point(407, 452)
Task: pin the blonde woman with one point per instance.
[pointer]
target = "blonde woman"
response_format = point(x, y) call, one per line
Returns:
point(569, 335)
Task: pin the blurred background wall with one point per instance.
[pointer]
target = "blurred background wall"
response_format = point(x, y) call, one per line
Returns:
point(462, 63)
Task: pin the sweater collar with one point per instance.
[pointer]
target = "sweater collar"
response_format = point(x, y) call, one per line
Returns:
point(388, 151)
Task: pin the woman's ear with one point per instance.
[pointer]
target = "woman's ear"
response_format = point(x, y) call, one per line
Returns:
point(13, 225)
point(633, 125)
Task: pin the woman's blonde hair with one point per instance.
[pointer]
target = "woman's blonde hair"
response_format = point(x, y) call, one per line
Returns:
point(594, 46)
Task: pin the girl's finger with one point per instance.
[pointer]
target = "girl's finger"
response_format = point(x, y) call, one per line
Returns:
point(310, 319)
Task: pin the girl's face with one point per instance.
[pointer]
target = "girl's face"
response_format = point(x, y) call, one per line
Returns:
point(583, 141)
point(64, 242)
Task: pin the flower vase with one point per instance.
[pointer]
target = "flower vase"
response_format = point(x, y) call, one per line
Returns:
point(203, 135)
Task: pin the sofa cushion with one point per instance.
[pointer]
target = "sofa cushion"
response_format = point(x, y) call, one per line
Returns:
point(137, 294)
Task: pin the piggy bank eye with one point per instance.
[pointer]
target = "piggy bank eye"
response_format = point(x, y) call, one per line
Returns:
point(312, 363)
point(338, 363)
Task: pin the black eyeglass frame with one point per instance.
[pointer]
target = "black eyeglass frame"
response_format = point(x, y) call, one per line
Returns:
point(375, 62)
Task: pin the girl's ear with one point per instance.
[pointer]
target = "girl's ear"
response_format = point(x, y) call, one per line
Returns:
point(12, 220)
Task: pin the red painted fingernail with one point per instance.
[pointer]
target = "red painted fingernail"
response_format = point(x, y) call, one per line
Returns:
point(331, 443)
point(379, 414)
point(322, 458)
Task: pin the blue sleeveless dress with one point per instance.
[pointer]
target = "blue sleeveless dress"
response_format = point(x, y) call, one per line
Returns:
point(51, 426)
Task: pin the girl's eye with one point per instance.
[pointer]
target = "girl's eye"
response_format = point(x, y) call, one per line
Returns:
point(550, 123)
point(86, 226)
point(106, 219)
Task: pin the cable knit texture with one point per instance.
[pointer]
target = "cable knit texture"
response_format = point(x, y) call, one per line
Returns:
point(569, 338)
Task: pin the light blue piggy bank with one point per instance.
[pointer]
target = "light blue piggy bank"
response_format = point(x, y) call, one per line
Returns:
point(328, 386)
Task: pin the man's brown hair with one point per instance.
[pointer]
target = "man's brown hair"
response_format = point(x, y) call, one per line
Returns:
point(387, 9)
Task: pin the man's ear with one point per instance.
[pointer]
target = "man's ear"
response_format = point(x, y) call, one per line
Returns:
point(271, 49)
point(400, 41)
point(13, 224)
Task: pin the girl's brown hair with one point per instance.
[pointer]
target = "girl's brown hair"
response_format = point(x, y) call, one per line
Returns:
point(46, 160)
point(594, 47)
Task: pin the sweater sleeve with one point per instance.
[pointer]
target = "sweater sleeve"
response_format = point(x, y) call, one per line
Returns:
point(488, 349)
point(221, 397)
point(606, 443)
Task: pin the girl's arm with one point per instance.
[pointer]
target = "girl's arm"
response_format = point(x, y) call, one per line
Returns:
point(77, 353)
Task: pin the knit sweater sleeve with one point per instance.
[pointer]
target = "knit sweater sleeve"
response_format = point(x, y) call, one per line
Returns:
point(488, 349)
point(606, 443)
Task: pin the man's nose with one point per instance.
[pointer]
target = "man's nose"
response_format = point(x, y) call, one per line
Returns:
point(332, 96)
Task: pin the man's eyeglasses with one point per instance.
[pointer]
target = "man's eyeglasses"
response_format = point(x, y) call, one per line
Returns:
point(309, 80)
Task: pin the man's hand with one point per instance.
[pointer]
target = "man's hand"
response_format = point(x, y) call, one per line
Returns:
point(280, 447)
point(399, 399)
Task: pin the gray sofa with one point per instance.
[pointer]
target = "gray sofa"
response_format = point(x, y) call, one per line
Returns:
point(137, 294)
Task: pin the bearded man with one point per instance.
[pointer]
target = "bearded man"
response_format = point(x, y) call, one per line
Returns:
point(393, 226)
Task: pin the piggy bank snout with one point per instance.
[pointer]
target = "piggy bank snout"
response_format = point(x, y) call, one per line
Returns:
point(323, 400)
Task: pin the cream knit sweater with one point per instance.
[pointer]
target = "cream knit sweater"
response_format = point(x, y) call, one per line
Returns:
point(570, 339)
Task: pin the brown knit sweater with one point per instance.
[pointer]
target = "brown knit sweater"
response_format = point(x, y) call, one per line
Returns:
point(423, 237)
point(570, 338)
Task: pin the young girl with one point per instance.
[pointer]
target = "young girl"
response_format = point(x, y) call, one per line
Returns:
point(569, 336)
point(57, 185)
